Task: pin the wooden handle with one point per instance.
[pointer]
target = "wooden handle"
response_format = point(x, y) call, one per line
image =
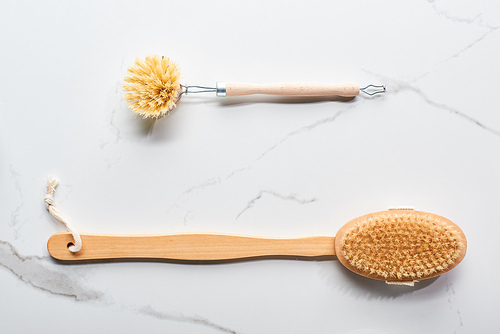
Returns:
point(293, 89)
point(195, 246)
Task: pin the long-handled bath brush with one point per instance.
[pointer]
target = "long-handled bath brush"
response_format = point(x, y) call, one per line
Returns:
point(398, 246)
point(152, 87)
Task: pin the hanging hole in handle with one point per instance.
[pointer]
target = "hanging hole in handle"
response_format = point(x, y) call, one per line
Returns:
point(70, 244)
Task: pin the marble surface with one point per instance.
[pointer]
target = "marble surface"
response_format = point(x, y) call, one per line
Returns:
point(259, 166)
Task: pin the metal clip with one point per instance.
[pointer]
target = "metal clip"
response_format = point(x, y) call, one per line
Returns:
point(373, 89)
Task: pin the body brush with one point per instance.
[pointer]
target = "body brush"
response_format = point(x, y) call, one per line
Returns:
point(398, 246)
point(152, 87)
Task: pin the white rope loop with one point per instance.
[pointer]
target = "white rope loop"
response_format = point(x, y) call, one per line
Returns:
point(49, 203)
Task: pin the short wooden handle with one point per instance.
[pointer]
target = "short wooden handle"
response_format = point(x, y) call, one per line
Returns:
point(187, 246)
point(293, 89)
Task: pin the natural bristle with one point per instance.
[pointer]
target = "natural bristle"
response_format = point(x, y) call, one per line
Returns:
point(152, 86)
point(401, 246)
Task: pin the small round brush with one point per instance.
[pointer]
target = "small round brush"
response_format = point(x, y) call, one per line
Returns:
point(152, 87)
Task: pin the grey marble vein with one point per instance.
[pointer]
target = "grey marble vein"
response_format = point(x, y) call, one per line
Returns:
point(187, 216)
point(459, 19)
point(450, 290)
point(474, 42)
point(397, 86)
point(149, 311)
point(34, 271)
point(111, 122)
point(402, 86)
point(465, 20)
point(219, 179)
point(457, 54)
point(118, 106)
point(291, 134)
point(14, 216)
point(261, 193)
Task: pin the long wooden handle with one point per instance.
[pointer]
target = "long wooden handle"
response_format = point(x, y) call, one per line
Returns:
point(293, 89)
point(187, 246)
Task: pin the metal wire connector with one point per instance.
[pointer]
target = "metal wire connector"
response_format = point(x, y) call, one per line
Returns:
point(187, 89)
point(373, 89)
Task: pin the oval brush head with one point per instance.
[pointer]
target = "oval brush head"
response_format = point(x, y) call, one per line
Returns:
point(152, 86)
point(400, 245)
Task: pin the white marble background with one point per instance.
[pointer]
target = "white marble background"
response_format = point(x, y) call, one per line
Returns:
point(260, 166)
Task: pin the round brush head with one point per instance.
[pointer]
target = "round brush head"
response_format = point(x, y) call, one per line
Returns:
point(401, 246)
point(152, 86)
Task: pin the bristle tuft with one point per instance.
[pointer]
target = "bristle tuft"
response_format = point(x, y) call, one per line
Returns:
point(152, 86)
point(401, 246)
